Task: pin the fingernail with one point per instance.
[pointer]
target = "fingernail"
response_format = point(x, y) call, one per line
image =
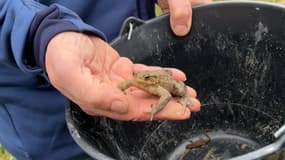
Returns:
point(119, 107)
point(181, 29)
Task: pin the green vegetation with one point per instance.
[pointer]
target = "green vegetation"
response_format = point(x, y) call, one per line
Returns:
point(275, 1)
point(158, 10)
point(4, 155)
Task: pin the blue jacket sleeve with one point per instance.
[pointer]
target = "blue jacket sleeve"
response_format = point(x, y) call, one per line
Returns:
point(27, 27)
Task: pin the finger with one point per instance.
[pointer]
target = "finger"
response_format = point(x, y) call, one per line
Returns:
point(195, 105)
point(163, 4)
point(140, 107)
point(122, 68)
point(172, 111)
point(142, 67)
point(180, 16)
point(143, 102)
point(105, 97)
point(176, 73)
point(192, 92)
point(196, 2)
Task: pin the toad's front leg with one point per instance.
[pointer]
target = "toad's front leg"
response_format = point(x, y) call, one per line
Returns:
point(164, 95)
point(125, 84)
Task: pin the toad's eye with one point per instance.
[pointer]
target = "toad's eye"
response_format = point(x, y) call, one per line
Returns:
point(147, 77)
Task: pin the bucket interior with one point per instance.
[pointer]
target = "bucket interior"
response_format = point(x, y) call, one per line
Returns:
point(234, 57)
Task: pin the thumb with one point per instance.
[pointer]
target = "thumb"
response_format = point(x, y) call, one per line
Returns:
point(111, 99)
point(180, 16)
point(107, 98)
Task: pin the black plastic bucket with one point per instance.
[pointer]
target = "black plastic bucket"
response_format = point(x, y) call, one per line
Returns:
point(234, 57)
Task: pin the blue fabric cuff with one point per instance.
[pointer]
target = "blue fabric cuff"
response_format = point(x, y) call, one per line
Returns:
point(46, 24)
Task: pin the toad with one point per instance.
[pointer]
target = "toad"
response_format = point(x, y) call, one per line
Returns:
point(160, 83)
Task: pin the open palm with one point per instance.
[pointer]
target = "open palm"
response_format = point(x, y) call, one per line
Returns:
point(87, 71)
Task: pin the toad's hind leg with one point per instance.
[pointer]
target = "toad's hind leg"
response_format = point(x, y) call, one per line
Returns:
point(164, 95)
point(185, 100)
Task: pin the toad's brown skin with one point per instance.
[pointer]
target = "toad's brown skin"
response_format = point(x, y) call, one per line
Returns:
point(160, 83)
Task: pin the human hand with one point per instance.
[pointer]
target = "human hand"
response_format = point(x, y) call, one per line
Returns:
point(87, 71)
point(180, 13)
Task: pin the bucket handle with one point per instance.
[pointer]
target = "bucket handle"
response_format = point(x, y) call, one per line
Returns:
point(129, 25)
point(267, 150)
